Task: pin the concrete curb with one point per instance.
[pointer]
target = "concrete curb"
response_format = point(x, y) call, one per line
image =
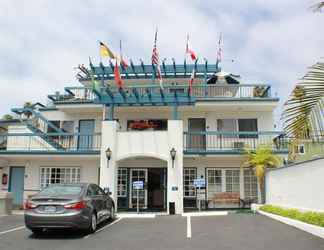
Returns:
point(312, 229)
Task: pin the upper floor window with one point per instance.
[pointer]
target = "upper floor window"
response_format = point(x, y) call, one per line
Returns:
point(158, 124)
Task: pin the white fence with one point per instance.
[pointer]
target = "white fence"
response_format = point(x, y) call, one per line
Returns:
point(300, 186)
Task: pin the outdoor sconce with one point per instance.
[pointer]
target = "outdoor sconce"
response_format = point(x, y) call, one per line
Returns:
point(108, 153)
point(173, 153)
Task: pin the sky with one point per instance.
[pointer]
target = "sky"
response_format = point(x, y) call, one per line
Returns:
point(42, 41)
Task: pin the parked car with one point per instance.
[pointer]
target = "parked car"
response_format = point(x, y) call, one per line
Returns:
point(77, 206)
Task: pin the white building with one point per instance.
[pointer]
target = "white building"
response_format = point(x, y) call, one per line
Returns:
point(115, 137)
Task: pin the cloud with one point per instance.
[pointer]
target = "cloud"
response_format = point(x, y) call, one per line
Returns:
point(42, 41)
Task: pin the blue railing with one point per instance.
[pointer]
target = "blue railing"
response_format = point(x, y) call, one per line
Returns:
point(199, 91)
point(50, 142)
point(210, 142)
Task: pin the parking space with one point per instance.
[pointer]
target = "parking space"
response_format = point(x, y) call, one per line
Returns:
point(234, 231)
point(11, 222)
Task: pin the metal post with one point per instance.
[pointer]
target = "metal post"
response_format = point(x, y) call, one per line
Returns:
point(199, 198)
point(111, 113)
point(137, 200)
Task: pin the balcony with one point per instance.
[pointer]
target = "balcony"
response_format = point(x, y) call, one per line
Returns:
point(133, 94)
point(214, 142)
point(50, 143)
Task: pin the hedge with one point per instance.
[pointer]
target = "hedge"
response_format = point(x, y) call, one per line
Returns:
point(314, 218)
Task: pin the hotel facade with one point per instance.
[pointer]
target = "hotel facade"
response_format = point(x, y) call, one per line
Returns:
point(165, 137)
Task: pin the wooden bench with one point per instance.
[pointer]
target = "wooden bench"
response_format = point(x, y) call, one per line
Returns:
point(227, 197)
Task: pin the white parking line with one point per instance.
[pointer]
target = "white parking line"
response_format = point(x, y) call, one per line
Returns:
point(188, 227)
point(12, 230)
point(101, 229)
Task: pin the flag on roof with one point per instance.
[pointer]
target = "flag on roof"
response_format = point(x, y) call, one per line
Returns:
point(123, 62)
point(156, 61)
point(104, 51)
point(189, 50)
point(118, 80)
point(220, 50)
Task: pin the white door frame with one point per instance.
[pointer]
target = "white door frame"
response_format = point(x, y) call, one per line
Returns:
point(131, 186)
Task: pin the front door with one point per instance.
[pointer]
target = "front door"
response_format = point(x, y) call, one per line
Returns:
point(141, 195)
point(86, 130)
point(196, 140)
point(16, 185)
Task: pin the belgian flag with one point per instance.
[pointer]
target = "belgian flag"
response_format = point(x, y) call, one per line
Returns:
point(105, 51)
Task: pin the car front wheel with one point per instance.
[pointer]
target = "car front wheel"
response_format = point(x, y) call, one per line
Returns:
point(112, 213)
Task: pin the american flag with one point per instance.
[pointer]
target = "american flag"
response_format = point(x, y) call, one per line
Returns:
point(156, 61)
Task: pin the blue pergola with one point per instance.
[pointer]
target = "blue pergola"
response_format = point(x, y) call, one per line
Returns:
point(147, 71)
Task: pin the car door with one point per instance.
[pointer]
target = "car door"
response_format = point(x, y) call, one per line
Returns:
point(96, 200)
point(106, 202)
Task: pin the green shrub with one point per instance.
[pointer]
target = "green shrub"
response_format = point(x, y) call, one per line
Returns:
point(314, 218)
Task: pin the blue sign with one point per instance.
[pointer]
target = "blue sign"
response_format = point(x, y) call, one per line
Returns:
point(138, 185)
point(199, 183)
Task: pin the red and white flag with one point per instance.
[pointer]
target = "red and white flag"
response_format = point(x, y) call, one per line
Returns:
point(189, 50)
point(156, 61)
point(123, 62)
point(118, 80)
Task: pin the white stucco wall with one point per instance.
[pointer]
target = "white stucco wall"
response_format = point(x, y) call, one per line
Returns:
point(89, 170)
point(297, 186)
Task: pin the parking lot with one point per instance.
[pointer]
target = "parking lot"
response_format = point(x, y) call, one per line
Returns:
point(234, 231)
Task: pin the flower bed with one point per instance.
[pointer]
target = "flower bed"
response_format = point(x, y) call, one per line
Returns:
point(313, 218)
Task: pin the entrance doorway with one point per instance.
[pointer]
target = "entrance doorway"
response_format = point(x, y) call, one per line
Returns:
point(153, 197)
point(16, 185)
point(156, 188)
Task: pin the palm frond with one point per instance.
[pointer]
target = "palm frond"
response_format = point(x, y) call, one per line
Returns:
point(302, 111)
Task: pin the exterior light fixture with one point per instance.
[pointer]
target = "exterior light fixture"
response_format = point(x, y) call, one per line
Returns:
point(173, 153)
point(108, 153)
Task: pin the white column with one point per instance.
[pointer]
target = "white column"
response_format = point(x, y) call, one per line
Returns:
point(242, 183)
point(175, 169)
point(108, 169)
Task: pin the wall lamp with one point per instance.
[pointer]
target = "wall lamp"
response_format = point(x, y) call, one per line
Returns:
point(173, 153)
point(108, 153)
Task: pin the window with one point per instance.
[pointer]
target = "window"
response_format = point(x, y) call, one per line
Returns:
point(232, 180)
point(55, 175)
point(222, 180)
point(214, 179)
point(248, 125)
point(189, 174)
point(250, 184)
point(158, 124)
point(122, 182)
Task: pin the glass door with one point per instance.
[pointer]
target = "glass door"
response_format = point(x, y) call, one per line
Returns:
point(141, 194)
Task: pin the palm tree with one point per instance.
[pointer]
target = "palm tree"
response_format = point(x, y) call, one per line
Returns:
point(259, 160)
point(318, 7)
point(303, 112)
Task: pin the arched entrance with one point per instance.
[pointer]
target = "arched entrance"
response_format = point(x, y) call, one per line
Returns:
point(153, 173)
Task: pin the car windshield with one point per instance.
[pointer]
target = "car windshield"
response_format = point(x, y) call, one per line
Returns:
point(61, 190)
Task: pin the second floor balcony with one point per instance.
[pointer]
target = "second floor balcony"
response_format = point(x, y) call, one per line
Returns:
point(219, 142)
point(53, 143)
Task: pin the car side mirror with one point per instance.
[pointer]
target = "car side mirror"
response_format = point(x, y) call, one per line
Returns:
point(106, 190)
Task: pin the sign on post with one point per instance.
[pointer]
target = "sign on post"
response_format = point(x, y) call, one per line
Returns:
point(199, 183)
point(137, 185)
